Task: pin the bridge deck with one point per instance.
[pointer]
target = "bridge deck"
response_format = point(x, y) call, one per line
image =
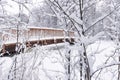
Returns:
point(10, 47)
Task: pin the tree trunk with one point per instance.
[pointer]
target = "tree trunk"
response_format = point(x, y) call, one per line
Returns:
point(81, 65)
point(69, 65)
point(119, 70)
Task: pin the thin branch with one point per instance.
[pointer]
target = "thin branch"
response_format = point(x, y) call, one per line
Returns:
point(107, 61)
point(106, 66)
point(90, 27)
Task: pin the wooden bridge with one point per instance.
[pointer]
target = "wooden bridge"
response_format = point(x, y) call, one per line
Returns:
point(15, 39)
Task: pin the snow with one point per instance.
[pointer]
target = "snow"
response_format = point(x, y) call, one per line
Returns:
point(99, 50)
point(73, 16)
point(5, 65)
point(92, 39)
point(47, 62)
point(32, 27)
point(52, 62)
point(99, 54)
point(33, 38)
point(47, 56)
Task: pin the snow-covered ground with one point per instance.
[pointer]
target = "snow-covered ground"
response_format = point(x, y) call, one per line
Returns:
point(48, 62)
point(100, 54)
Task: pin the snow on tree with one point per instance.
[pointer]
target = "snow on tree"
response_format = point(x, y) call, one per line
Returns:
point(91, 20)
point(87, 22)
point(43, 16)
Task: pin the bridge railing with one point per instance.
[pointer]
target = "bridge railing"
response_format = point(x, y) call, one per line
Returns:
point(34, 36)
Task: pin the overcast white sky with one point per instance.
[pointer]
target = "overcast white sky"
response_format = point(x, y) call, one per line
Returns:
point(13, 8)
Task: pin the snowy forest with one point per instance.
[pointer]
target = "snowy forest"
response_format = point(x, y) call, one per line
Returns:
point(83, 42)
